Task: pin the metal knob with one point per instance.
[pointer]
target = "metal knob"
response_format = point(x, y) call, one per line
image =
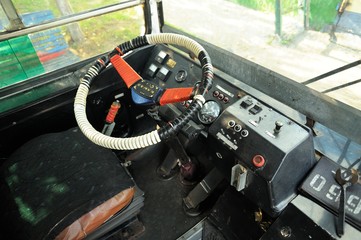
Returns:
point(278, 126)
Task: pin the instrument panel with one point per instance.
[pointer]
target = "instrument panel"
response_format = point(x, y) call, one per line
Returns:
point(267, 154)
point(209, 112)
point(169, 69)
point(261, 152)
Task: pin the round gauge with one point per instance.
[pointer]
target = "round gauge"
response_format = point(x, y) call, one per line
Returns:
point(181, 76)
point(209, 112)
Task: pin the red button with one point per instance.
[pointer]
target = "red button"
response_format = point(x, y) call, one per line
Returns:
point(258, 161)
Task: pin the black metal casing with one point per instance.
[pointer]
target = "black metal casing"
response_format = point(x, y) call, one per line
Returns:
point(288, 153)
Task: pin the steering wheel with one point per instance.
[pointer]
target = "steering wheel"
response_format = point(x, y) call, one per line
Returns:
point(145, 91)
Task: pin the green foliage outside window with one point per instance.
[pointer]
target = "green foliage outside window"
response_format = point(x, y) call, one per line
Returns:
point(322, 12)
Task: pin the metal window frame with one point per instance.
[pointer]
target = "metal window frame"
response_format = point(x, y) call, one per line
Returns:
point(18, 29)
point(12, 15)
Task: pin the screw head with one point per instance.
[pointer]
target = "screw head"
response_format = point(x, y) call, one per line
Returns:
point(286, 232)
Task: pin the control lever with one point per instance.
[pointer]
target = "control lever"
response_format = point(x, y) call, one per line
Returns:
point(346, 179)
point(109, 120)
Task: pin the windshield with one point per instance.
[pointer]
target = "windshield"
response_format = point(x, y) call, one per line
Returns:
point(299, 39)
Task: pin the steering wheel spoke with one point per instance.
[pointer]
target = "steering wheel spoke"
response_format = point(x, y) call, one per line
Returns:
point(125, 71)
point(147, 92)
point(172, 95)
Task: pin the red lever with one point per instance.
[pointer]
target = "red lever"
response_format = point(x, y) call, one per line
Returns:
point(112, 112)
point(172, 95)
point(127, 73)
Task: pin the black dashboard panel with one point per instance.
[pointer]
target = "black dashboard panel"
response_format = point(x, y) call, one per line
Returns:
point(264, 154)
point(267, 153)
point(171, 69)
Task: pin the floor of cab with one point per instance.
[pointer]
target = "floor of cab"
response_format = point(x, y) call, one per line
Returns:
point(162, 214)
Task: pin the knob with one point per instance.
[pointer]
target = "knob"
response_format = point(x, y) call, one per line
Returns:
point(278, 126)
point(231, 123)
point(237, 128)
point(244, 133)
point(258, 161)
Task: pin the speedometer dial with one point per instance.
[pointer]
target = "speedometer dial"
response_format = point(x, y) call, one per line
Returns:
point(209, 112)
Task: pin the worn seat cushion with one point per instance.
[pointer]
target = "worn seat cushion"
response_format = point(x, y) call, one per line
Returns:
point(62, 185)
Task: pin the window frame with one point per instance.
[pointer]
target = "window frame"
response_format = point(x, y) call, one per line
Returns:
point(17, 28)
point(65, 78)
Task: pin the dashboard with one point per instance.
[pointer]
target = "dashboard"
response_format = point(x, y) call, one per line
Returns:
point(263, 154)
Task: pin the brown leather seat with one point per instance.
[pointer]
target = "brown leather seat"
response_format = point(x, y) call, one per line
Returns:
point(93, 219)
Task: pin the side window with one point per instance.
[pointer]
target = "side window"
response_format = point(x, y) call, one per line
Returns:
point(58, 8)
point(304, 40)
point(98, 27)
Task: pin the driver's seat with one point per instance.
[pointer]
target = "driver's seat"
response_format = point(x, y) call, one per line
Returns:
point(62, 186)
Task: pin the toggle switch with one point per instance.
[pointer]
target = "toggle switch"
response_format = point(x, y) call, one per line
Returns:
point(278, 126)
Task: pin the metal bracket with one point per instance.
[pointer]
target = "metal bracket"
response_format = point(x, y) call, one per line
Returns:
point(239, 177)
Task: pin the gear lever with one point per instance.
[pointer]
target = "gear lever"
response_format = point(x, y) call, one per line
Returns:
point(346, 179)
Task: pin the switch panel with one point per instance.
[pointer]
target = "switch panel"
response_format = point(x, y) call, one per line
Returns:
point(160, 58)
point(256, 109)
point(276, 151)
point(163, 74)
point(152, 69)
point(246, 103)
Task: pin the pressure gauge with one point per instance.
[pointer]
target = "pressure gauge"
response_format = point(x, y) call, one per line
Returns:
point(209, 112)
